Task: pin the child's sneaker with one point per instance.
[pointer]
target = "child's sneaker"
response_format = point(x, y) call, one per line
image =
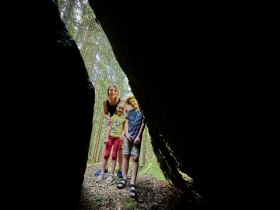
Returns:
point(99, 178)
point(110, 179)
point(119, 174)
point(99, 171)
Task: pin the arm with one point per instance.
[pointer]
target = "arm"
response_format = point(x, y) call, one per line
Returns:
point(139, 135)
point(108, 131)
point(126, 129)
point(107, 134)
point(123, 133)
point(106, 112)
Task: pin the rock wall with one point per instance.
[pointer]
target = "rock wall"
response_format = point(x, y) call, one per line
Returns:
point(190, 66)
point(191, 69)
point(48, 110)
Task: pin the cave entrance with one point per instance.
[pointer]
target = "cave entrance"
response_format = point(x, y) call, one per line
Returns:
point(103, 69)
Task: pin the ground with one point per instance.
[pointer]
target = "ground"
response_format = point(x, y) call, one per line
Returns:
point(151, 194)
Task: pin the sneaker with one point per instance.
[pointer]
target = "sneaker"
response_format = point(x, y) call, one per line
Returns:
point(99, 171)
point(99, 178)
point(110, 178)
point(119, 174)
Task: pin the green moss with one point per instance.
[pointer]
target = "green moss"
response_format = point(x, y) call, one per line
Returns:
point(152, 169)
point(131, 205)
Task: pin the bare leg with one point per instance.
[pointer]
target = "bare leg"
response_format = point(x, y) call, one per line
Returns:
point(114, 163)
point(134, 169)
point(104, 164)
point(100, 176)
point(120, 157)
point(125, 166)
point(107, 134)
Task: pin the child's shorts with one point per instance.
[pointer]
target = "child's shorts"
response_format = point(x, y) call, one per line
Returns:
point(131, 149)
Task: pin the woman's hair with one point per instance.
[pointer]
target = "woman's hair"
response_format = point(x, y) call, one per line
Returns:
point(118, 91)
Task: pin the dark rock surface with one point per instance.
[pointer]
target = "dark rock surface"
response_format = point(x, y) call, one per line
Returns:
point(48, 110)
point(196, 70)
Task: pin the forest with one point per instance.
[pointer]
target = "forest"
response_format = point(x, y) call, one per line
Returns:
point(103, 69)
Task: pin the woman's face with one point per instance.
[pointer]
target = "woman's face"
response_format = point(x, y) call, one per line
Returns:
point(112, 92)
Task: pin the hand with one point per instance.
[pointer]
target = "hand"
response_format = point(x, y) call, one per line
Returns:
point(127, 136)
point(106, 141)
point(110, 121)
point(137, 140)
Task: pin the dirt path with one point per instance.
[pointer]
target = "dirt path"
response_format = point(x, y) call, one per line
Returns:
point(151, 194)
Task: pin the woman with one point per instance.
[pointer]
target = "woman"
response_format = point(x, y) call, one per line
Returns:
point(110, 104)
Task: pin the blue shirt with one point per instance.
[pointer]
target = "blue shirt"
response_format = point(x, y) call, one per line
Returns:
point(135, 122)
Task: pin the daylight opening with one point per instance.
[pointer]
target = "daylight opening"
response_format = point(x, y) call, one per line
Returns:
point(103, 69)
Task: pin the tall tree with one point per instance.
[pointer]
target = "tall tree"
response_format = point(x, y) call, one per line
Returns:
point(102, 67)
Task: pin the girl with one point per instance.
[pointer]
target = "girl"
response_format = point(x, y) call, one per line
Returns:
point(113, 141)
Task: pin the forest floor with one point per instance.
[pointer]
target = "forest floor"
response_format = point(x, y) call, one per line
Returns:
point(151, 194)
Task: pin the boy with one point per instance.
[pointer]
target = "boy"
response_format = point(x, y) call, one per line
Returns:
point(134, 127)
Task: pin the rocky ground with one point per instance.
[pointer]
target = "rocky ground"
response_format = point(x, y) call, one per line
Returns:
point(151, 194)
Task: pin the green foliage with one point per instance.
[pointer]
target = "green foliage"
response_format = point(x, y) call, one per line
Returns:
point(152, 169)
point(130, 205)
